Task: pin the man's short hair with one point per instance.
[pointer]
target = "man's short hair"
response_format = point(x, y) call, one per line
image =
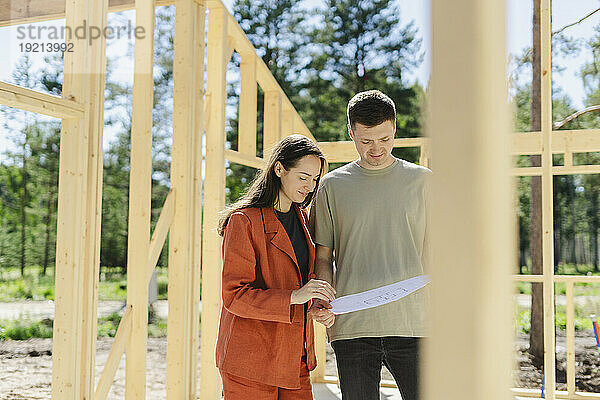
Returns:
point(371, 108)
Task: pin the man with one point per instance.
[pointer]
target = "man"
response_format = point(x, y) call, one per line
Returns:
point(369, 217)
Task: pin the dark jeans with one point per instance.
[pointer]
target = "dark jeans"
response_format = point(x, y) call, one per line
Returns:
point(359, 364)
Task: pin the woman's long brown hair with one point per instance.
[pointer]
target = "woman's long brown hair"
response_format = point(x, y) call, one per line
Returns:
point(264, 190)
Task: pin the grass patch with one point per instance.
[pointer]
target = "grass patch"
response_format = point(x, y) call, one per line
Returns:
point(34, 286)
point(23, 329)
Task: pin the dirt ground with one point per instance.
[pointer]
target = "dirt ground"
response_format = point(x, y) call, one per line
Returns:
point(25, 367)
point(587, 364)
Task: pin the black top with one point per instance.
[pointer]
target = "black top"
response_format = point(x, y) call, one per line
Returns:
point(295, 232)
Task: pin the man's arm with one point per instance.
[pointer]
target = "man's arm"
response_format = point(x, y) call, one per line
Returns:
point(324, 263)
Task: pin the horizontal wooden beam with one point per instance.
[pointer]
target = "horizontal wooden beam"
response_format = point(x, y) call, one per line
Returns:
point(160, 232)
point(28, 11)
point(333, 379)
point(558, 170)
point(558, 278)
point(344, 151)
point(573, 141)
point(41, 103)
point(559, 394)
point(114, 356)
point(244, 159)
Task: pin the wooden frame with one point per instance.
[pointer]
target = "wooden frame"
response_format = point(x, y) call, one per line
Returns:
point(80, 188)
point(80, 196)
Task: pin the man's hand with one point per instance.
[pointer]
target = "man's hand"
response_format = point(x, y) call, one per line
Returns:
point(320, 312)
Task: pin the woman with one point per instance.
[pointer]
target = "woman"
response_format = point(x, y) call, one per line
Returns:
point(265, 346)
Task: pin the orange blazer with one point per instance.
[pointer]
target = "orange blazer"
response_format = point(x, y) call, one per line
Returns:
point(261, 335)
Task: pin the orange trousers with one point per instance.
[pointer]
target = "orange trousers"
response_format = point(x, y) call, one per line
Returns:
point(238, 388)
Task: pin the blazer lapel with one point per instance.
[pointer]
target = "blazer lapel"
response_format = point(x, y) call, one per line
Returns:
point(309, 242)
point(280, 239)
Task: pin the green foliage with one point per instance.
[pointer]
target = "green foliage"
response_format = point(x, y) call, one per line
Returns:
point(32, 286)
point(23, 329)
point(581, 323)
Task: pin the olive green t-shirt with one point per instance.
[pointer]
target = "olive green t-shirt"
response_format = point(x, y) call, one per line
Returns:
point(375, 222)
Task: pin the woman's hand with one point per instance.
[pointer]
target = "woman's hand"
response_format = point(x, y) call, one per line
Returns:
point(315, 288)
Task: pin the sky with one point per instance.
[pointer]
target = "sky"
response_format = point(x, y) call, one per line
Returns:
point(518, 37)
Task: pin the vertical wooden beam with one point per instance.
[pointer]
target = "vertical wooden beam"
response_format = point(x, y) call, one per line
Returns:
point(247, 107)
point(196, 236)
point(214, 199)
point(318, 374)
point(184, 260)
point(94, 208)
point(472, 223)
point(570, 340)
point(79, 210)
point(287, 122)
point(424, 155)
point(547, 196)
point(140, 184)
point(272, 121)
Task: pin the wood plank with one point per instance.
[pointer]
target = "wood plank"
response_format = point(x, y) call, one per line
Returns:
point(560, 394)
point(182, 327)
point(114, 356)
point(139, 202)
point(263, 75)
point(574, 141)
point(247, 105)
point(93, 203)
point(160, 233)
point(214, 200)
point(243, 159)
point(318, 374)
point(272, 121)
point(79, 202)
point(345, 151)
point(196, 236)
point(29, 11)
point(558, 278)
point(570, 339)
point(41, 103)
point(287, 122)
point(472, 248)
point(557, 170)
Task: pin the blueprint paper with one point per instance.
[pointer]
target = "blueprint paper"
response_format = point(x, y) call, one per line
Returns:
point(379, 296)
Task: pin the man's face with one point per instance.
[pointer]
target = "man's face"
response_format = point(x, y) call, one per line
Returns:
point(374, 144)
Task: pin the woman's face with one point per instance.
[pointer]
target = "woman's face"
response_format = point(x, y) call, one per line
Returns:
point(299, 180)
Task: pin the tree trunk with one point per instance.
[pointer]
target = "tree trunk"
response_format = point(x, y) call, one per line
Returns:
point(23, 200)
point(572, 230)
point(536, 334)
point(558, 226)
point(593, 221)
point(48, 220)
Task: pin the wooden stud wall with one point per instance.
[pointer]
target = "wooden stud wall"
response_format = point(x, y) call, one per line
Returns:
point(81, 108)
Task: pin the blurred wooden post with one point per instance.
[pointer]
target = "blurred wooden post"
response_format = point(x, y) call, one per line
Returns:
point(547, 196)
point(469, 353)
point(214, 198)
point(140, 184)
point(79, 210)
point(184, 242)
